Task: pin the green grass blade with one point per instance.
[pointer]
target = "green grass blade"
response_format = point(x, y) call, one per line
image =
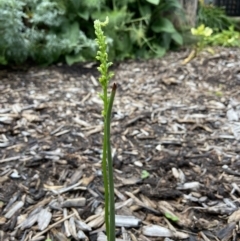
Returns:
point(105, 178)
point(104, 166)
point(111, 206)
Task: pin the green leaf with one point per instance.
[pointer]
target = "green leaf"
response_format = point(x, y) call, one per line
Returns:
point(84, 14)
point(123, 42)
point(166, 40)
point(177, 37)
point(71, 32)
point(163, 25)
point(170, 4)
point(145, 10)
point(143, 53)
point(155, 2)
point(3, 60)
point(171, 217)
point(145, 174)
point(116, 18)
point(160, 51)
point(76, 3)
point(74, 32)
point(71, 59)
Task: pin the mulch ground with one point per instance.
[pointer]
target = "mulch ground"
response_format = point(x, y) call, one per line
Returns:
point(178, 123)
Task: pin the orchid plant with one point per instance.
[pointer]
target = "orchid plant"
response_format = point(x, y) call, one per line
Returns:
point(107, 166)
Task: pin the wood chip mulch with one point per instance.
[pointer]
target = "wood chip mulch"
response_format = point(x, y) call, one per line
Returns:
point(179, 125)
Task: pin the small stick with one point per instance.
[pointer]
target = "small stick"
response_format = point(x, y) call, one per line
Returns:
point(53, 225)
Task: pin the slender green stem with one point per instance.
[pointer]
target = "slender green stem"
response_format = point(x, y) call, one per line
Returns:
point(111, 206)
point(105, 164)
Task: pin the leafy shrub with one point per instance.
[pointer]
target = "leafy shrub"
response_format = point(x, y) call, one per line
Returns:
point(160, 29)
point(48, 30)
point(142, 29)
point(206, 36)
point(40, 30)
point(213, 17)
point(14, 43)
point(203, 33)
point(226, 38)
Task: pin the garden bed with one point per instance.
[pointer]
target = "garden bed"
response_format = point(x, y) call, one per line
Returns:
point(178, 123)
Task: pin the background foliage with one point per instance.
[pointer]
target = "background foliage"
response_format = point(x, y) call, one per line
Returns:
point(225, 30)
point(47, 31)
point(214, 17)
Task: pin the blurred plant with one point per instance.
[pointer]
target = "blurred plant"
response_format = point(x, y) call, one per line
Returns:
point(14, 43)
point(214, 17)
point(218, 93)
point(40, 30)
point(156, 31)
point(49, 30)
point(107, 165)
point(171, 217)
point(226, 38)
point(145, 174)
point(202, 33)
point(207, 37)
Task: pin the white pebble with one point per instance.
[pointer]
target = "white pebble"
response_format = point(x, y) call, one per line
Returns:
point(138, 164)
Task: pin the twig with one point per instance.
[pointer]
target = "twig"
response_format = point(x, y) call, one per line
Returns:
point(53, 225)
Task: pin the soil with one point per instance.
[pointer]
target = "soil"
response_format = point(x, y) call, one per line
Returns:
point(180, 124)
